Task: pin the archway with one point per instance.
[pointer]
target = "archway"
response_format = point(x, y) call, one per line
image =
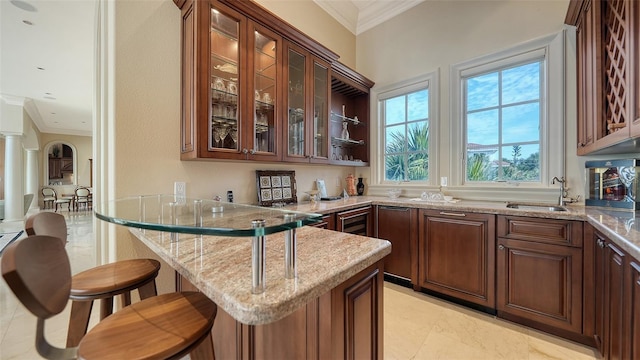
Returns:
point(60, 164)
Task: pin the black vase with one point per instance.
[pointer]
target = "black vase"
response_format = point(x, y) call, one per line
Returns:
point(360, 187)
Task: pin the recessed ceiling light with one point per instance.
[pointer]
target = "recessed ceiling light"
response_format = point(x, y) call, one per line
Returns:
point(47, 93)
point(53, 113)
point(40, 68)
point(55, 122)
point(84, 122)
point(27, 22)
point(23, 5)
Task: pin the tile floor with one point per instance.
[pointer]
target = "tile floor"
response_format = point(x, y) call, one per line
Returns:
point(416, 326)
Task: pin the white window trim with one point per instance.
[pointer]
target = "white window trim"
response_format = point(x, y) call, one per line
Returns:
point(552, 125)
point(432, 79)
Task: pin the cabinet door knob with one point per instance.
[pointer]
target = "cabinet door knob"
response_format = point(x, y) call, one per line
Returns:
point(252, 151)
point(245, 151)
point(500, 247)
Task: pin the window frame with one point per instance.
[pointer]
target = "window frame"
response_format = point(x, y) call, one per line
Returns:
point(552, 102)
point(428, 81)
point(501, 67)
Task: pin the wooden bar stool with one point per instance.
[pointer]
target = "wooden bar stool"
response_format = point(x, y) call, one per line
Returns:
point(168, 326)
point(99, 283)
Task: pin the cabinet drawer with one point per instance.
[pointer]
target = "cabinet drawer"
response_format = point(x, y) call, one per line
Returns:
point(328, 222)
point(552, 231)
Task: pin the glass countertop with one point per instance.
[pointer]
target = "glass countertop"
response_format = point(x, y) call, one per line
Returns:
point(199, 216)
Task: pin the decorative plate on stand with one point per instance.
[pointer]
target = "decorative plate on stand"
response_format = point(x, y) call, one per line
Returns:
point(276, 187)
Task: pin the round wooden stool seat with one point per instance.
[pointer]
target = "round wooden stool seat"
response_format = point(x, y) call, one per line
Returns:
point(162, 327)
point(113, 279)
point(103, 283)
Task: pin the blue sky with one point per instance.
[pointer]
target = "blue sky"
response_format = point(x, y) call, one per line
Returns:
point(520, 111)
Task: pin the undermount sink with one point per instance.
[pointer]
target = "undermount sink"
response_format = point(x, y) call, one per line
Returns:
point(536, 207)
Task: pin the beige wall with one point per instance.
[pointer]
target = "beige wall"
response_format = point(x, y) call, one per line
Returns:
point(315, 22)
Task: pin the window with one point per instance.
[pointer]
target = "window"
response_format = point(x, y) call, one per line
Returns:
point(508, 116)
point(405, 118)
point(502, 118)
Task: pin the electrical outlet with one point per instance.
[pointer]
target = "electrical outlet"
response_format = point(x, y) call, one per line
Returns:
point(180, 191)
point(443, 181)
point(338, 182)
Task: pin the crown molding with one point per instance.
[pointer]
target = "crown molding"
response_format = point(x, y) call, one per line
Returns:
point(377, 12)
point(13, 100)
point(31, 109)
point(345, 12)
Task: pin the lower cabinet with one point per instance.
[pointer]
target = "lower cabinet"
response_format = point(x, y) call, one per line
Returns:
point(356, 221)
point(617, 300)
point(634, 304)
point(540, 272)
point(456, 255)
point(399, 225)
point(540, 282)
point(344, 323)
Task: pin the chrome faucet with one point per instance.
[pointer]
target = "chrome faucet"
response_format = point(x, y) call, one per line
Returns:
point(562, 181)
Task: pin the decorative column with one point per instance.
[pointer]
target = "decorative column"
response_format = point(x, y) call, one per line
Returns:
point(14, 174)
point(31, 177)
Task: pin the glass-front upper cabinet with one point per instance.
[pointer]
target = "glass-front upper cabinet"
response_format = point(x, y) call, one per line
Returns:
point(307, 115)
point(320, 128)
point(265, 59)
point(224, 127)
point(296, 103)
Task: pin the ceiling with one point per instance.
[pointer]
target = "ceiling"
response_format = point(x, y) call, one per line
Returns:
point(361, 15)
point(47, 61)
point(48, 51)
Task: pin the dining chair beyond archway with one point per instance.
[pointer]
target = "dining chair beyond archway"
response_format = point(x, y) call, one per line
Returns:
point(169, 326)
point(82, 198)
point(51, 199)
point(99, 283)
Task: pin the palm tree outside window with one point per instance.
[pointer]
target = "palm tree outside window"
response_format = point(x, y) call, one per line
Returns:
point(406, 136)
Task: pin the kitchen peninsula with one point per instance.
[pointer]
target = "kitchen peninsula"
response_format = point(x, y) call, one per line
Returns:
point(332, 309)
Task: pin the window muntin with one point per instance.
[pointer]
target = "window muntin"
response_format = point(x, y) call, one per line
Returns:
point(503, 116)
point(406, 136)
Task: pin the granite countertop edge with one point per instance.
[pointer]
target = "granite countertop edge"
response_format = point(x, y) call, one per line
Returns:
point(282, 296)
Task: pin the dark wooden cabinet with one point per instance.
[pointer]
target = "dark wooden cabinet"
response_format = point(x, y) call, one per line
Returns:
point(255, 88)
point(614, 303)
point(456, 255)
point(54, 168)
point(306, 133)
point(344, 323)
point(356, 221)
point(634, 309)
point(399, 225)
point(350, 109)
point(616, 294)
point(357, 312)
point(607, 74)
point(540, 282)
point(540, 273)
point(59, 166)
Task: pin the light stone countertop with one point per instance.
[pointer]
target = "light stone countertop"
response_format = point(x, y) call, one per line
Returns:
point(622, 227)
point(221, 268)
